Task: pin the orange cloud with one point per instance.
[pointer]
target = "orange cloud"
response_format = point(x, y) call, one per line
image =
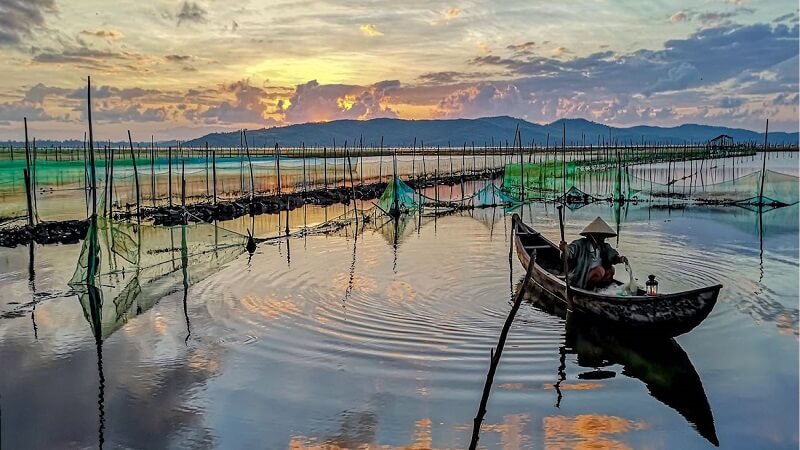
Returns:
point(452, 13)
point(370, 30)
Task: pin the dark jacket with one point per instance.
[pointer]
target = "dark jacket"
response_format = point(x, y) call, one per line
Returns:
point(579, 260)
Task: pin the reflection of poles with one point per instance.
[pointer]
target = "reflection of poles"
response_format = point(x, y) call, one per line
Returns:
point(495, 357)
point(185, 270)
point(764, 166)
point(562, 374)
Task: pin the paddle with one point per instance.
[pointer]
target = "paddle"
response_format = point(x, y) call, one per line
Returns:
point(564, 256)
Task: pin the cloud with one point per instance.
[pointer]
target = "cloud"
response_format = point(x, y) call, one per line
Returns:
point(714, 17)
point(191, 12)
point(38, 93)
point(446, 77)
point(677, 77)
point(313, 102)
point(19, 17)
point(786, 99)
point(178, 58)
point(246, 107)
point(791, 17)
point(370, 30)
point(452, 13)
point(523, 48)
point(559, 52)
point(679, 16)
point(484, 99)
point(105, 34)
point(131, 113)
point(16, 111)
point(731, 102)
point(705, 58)
point(708, 18)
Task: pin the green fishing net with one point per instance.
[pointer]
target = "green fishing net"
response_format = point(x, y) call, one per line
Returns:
point(137, 265)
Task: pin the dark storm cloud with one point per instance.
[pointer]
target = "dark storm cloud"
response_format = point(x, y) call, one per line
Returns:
point(19, 17)
point(191, 12)
point(706, 57)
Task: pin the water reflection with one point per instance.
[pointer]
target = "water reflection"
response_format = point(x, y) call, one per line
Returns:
point(590, 431)
point(661, 364)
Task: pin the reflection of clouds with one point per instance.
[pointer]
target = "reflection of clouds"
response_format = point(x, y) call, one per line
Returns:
point(269, 308)
point(575, 386)
point(400, 291)
point(510, 429)
point(587, 431)
point(358, 431)
point(786, 323)
point(361, 283)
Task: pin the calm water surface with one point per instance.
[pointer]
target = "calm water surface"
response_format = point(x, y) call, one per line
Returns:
point(371, 342)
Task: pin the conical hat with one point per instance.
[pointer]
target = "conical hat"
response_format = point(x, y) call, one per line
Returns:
point(598, 226)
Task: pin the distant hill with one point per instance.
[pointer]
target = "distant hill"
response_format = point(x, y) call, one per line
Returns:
point(457, 132)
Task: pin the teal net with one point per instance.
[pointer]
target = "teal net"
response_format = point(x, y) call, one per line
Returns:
point(491, 195)
point(137, 265)
point(399, 196)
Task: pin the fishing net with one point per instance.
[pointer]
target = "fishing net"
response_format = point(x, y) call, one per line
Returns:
point(491, 195)
point(778, 189)
point(137, 265)
point(399, 196)
point(539, 180)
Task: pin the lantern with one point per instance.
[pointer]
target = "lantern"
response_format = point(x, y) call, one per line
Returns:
point(652, 285)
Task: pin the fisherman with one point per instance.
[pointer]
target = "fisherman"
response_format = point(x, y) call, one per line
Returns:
point(591, 259)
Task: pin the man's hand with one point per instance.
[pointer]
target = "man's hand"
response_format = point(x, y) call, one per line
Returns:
point(562, 246)
point(623, 259)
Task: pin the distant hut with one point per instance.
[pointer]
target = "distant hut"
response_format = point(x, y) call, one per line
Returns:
point(723, 141)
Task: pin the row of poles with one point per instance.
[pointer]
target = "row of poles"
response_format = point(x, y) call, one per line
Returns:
point(608, 152)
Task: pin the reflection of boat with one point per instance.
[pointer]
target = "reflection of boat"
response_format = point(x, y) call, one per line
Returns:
point(660, 363)
point(664, 314)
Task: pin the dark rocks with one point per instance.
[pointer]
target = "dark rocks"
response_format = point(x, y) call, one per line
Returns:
point(66, 232)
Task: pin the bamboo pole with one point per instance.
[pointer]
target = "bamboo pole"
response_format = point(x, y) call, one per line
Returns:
point(135, 177)
point(169, 174)
point(495, 355)
point(92, 169)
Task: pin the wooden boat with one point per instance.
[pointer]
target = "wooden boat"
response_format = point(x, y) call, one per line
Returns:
point(663, 314)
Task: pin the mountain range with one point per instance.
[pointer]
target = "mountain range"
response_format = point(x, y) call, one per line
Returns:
point(458, 132)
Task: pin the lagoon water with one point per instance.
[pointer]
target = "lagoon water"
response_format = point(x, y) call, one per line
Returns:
point(382, 340)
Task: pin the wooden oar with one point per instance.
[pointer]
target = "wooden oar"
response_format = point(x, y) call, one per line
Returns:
point(564, 257)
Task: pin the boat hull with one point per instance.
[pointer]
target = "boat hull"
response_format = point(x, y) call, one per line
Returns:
point(668, 314)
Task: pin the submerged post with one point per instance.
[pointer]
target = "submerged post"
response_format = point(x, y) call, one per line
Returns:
point(26, 174)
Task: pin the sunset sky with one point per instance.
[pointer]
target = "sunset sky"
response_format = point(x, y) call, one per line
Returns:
point(180, 69)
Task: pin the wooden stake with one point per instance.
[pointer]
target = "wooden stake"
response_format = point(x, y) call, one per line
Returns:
point(135, 177)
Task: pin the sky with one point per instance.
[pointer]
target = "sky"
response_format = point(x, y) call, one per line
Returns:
point(180, 69)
